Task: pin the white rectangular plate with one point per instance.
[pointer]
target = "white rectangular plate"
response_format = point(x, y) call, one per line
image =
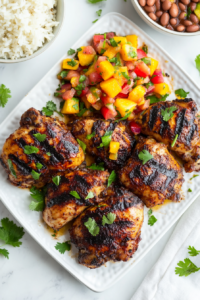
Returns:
point(17, 201)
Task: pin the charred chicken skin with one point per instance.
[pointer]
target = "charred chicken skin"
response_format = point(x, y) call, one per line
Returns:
point(81, 128)
point(58, 151)
point(63, 205)
point(183, 123)
point(117, 241)
point(158, 179)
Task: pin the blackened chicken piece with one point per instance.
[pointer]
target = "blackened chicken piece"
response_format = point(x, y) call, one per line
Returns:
point(81, 128)
point(114, 242)
point(59, 150)
point(158, 179)
point(62, 207)
point(184, 123)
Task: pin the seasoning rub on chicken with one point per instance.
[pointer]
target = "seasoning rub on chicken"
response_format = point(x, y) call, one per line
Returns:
point(152, 173)
point(76, 191)
point(42, 145)
point(110, 230)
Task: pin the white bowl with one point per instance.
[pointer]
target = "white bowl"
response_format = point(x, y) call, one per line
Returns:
point(157, 26)
point(60, 19)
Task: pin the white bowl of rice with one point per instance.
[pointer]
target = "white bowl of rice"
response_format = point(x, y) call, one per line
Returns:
point(28, 27)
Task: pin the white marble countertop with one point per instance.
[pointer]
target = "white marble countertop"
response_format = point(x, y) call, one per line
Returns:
point(31, 273)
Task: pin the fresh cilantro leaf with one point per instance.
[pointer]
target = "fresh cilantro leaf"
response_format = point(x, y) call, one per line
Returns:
point(150, 211)
point(95, 21)
point(145, 48)
point(10, 233)
point(112, 178)
point(11, 168)
point(106, 139)
point(99, 12)
point(174, 141)
point(189, 190)
point(83, 145)
point(124, 118)
point(154, 99)
point(36, 206)
point(92, 227)
point(40, 137)
point(89, 136)
point(127, 77)
point(56, 180)
point(72, 63)
point(39, 166)
point(4, 95)
point(181, 93)
point(145, 156)
point(194, 176)
point(35, 175)
point(152, 220)
point(109, 219)
point(118, 62)
point(197, 61)
point(113, 43)
point(63, 74)
point(37, 194)
point(192, 251)
point(113, 60)
point(90, 195)
point(5, 253)
point(75, 106)
point(132, 53)
point(50, 109)
point(186, 268)
point(97, 167)
point(167, 113)
point(30, 150)
point(75, 194)
point(48, 153)
point(147, 85)
point(81, 112)
point(62, 247)
point(71, 51)
point(146, 60)
point(82, 78)
point(79, 49)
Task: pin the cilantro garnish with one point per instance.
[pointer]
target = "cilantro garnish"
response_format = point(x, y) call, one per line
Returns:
point(83, 145)
point(197, 61)
point(189, 190)
point(127, 77)
point(89, 136)
point(192, 251)
point(40, 137)
point(112, 178)
point(90, 195)
point(50, 109)
point(109, 219)
point(56, 180)
point(11, 168)
point(75, 194)
point(82, 78)
point(39, 166)
point(167, 113)
point(113, 42)
point(82, 110)
point(194, 176)
point(62, 247)
point(113, 60)
point(30, 150)
point(4, 95)
point(181, 93)
point(145, 49)
point(146, 60)
point(174, 141)
point(10, 234)
point(39, 196)
point(152, 219)
point(71, 52)
point(132, 53)
point(72, 63)
point(186, 268)
point(99, 12)
point(124, 118)
point(97, 167)
point(189, 11)
point(154, 99)
point(95, 21)
point(92, 227)
point(35, 175)
point(145, 156)
point(106, 139)
point(63, 74)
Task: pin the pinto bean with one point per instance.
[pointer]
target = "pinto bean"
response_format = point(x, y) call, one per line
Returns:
point(182, 6)
point(192, 28)
point(151, 2)
point(169, 27)
point(186, 2)
point(142, 2)
point(192, 5)
point(195, 1)
point(159, 13)
point(149, 9)
point(164, 20)
point(157, 4)
point(152, 16)
point(182, 16)
point(194, 18)
point(180, 28)
point(173, 21)
point(174, 10)
point(166, 5)
point(187, 23)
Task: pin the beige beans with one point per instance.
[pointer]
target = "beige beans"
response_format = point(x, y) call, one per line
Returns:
point(142, 2)
point(149, 9)
point(169, 27)
point(192, 5)
point(182, 6)
point(151, 2)
point(164, 20)
point(182, 16)
point(187, 23)
point(186, 2)
point(180, 28)
point(192, 28)
point(152, 16)
point(166, 5)
point(157, 3)
point(174, 10)
point(194, 18)
point(173, 21)
point(159, 13)
point(195, 1)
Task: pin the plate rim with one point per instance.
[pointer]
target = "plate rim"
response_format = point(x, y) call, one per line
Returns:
point(32, 234)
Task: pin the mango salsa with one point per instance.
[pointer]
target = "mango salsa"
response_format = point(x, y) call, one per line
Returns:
point(124, 106)
point(111, 87)
point(106, 69)
point(137, 93)
point(128, 52)
point(162, 88)
point(85, 59)
point(133, 39)
point(71, 106)
point(70, 64)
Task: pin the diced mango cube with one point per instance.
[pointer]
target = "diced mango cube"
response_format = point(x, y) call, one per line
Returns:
point(106, 70)
point(133, 39)
point(112, 51)
point(128, 52)
point(141, 102)
point(119, 76)
point(111, 87)
point(113, 156)
point(124, 106)
point(74, 81)
point(121, 39)
point(71, 106)
point(85, 59)
point(162, 88)
point(70, 64)
point(137, 93)
point(92, 67)
point(114, 147)
point(153, 66)
point(87, 104)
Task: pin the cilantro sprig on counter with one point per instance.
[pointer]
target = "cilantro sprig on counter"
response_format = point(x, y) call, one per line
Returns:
point(4, 95)
point(187, 267)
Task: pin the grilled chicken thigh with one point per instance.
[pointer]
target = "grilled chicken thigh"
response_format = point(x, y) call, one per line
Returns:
point(81, 128)
point(58, 151)
point(62, 207)
point(158, 179)
point(116, 241)
point(184, 123)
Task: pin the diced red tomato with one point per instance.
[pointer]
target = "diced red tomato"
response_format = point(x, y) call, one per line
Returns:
point(141, 54)
point(121, 95)
point(132, 74)
point(106, 100)
point(126, 87)
point(72, 74)
point(107, 113)
point(130, 65)
point(98, 105)
point(89, 50)
point(157, 77)
point(142, 70)
point(150, 90)
point(135, 128)
point(100, 59)
point(95, 78)
point(69, 94)
point(96, 39)
point(84, 92)
point(145, 105)
point(65, 87)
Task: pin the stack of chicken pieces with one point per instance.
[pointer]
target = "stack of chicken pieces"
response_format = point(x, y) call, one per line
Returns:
point(138, 183)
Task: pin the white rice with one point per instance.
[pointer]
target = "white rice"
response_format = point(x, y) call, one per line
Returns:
point(25, 25)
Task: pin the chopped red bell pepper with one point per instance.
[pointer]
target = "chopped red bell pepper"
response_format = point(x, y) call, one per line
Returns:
point(107, 113)
point(142, 70)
